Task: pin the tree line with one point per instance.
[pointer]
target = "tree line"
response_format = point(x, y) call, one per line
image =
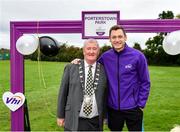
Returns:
point(66, 54)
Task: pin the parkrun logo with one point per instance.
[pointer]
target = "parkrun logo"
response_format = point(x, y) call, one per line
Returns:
point(100, 31)
point(13, 101)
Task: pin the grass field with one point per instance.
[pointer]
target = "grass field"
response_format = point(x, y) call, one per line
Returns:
point(161, 113)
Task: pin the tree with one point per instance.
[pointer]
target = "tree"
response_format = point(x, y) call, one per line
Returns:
point(154, 52)
point(166, 15)
point(137, 46)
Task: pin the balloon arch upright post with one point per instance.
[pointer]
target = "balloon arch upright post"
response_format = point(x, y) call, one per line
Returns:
point(18, 28)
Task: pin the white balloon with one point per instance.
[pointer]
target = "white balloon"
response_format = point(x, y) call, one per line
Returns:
point(27, 44)
point(171, 43)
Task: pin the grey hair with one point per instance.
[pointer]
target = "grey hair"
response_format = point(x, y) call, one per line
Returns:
point(90, 40)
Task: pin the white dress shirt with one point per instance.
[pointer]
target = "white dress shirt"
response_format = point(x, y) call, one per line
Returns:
point(94, 112)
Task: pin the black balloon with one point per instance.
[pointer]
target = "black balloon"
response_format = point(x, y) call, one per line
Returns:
point(48, 46)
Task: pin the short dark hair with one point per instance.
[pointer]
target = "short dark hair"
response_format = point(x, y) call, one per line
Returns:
point(116, 27)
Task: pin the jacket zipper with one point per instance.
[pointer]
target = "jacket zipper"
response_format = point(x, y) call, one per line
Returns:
point(118, 82)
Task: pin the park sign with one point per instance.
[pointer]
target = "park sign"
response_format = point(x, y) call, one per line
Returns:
point(96, 24)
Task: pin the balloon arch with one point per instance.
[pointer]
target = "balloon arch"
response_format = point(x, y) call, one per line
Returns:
point(18, 28)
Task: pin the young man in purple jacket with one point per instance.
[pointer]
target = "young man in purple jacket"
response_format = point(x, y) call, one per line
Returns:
point(128, 82)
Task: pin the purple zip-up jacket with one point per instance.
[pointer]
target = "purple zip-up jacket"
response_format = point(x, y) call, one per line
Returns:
point(128, 78)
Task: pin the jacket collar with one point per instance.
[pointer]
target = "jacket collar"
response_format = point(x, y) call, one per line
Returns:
point(125, 48)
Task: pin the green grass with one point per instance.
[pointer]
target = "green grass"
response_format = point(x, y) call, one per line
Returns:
point(161, 113)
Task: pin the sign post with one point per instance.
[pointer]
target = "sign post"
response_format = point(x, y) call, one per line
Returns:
point(96, 24)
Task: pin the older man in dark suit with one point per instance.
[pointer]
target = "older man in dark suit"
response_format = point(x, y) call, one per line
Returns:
point(81, 101)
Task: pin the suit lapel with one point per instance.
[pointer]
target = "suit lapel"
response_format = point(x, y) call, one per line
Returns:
point(96, 77)
point(82, 74)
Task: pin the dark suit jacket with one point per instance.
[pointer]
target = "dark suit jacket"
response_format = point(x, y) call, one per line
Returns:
point(71, 95)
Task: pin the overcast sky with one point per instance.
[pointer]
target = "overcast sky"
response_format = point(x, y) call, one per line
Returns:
point(37, 10)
